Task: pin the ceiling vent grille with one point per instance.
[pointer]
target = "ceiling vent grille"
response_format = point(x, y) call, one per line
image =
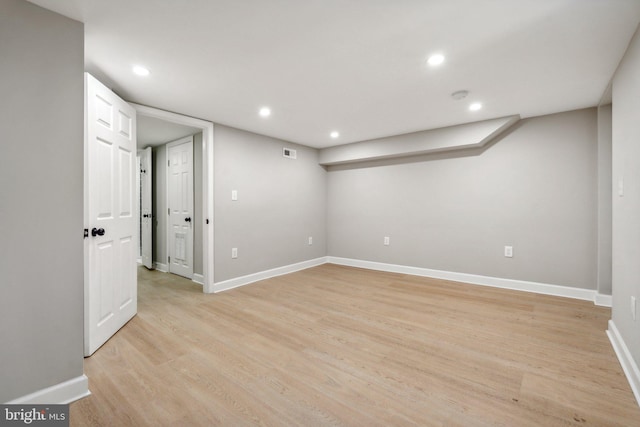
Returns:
point(289, 153)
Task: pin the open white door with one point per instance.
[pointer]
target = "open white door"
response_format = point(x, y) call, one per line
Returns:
point(110, 246)
point(180, 201)
point(146, 234)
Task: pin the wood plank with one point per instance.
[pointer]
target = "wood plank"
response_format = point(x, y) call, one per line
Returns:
point(335, 345)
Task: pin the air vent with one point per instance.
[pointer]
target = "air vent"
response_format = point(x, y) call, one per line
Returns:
point(288, 152)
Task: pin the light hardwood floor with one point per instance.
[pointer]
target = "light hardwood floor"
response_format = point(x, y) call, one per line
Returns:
point(335, 345)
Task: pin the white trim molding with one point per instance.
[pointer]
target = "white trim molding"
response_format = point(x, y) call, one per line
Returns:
point(496, 282)
point(629, 366)
point(59, 394)
point(474, 279)
point(198, 278)
point(267, 274)
point(603, 300)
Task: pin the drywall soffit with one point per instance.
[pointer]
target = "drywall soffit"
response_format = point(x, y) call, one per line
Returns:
point(470, 135)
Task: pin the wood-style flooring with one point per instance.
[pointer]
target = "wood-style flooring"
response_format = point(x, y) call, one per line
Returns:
point(335, 345)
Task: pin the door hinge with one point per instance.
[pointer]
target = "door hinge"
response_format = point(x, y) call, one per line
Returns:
point(207, 221)
point(86, 233)
point(168, 162)
point(169, 260)
point(168, 211)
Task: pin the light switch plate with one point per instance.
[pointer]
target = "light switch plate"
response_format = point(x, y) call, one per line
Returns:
point(508, 251)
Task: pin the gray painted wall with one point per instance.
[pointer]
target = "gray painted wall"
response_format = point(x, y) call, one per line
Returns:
point(41, 198)
point(626, 209)
point(281, 202)
point(604, 199)
point(534, 189)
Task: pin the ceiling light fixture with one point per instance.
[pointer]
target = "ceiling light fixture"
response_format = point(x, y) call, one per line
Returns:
point(265, 112)
point(436, 59)
point(475, 106)
point(334, 134)
point(140, 70)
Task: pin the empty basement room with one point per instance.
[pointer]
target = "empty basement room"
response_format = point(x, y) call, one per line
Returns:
point(385, 213)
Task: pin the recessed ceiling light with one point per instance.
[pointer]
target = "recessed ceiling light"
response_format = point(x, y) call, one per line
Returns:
point(265, 112)
point(475, 106)
point(334, 134)
point(436, 59)
point(140, 70)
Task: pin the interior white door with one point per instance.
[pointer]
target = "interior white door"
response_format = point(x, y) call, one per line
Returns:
point(180, 202)
point(146, 234)
point(110, 247)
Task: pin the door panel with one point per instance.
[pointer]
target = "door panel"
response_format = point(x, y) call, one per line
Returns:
point(125, 294)
point(126, 183)
point(104, 260)
point(180, 199)
point(110, 275)
point(104, 186)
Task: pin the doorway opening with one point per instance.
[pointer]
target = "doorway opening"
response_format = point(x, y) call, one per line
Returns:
point(158, 130)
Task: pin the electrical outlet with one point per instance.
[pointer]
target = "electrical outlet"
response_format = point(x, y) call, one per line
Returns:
point(234, 252)
point(508, 251)
point(387, 241)
point(234, 195)
point(310, 240)
point(633, 308)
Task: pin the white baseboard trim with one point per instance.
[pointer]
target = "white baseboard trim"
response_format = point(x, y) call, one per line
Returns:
point(603, 300)
point(163, 268)
point(198, 278)
point(262, 275)
point(496, 282)
point(629, 366)
point(61, 394)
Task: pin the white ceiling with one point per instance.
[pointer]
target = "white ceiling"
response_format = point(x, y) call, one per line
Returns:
point(152, 132)
point(355, 66)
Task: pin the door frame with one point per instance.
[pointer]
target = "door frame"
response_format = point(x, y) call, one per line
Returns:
point(138, 210)
point(207, 182)
point(145, 181)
